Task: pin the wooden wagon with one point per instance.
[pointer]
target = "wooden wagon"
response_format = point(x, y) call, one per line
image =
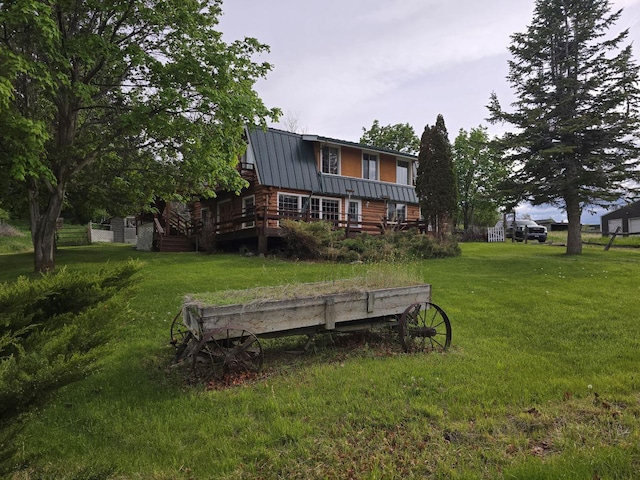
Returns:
point(224, 339)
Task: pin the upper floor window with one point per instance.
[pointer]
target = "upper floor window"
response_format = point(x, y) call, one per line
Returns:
point(402, 172)
point(330, 160)
point(369, 166)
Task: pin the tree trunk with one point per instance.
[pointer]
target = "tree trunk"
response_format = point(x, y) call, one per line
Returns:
point(43, 225)
point(574, 235)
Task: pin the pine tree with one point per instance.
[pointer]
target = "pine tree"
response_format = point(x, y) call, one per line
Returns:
point(576, 111)
point(436, 182)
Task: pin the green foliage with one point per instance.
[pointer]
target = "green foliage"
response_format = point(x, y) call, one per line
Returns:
point(399, 138)
point(436, 182)
point(108, 104)
point(309, 240)
point(576, 112)
point(479, 171)
point(318, 241)
point(52, 331)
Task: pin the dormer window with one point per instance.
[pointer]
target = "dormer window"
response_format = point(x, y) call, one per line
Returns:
point(331, 160)
point(369, 166)
point(402, 172)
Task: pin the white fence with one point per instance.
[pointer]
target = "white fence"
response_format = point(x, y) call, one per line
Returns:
point(97, 236)
point(495, 234)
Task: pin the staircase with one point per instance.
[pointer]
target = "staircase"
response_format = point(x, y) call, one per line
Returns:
point(174, 243)
point(177, 238)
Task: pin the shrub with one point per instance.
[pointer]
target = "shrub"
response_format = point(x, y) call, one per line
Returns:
point(52, 331)
point(318, 241)
point(312, 240)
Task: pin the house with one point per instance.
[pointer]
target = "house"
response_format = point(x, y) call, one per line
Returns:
point(308, 177)
point(627, 219)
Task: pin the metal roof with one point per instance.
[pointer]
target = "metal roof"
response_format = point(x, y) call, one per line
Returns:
point(287, 160)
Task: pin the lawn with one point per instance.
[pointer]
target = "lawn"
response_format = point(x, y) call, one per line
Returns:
point(542, 380)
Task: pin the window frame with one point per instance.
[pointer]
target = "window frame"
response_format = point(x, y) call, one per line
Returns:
point(316, 205)
point(357, 222)
point(245, 210)
point(368, 161)
point(395, 218)
point(338, 160)
point(407, 168)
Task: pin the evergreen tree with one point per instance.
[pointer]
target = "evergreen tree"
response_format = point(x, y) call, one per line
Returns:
point(436, 182)
point(576, 111)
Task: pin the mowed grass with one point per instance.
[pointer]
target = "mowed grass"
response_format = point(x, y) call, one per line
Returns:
point(542, 380)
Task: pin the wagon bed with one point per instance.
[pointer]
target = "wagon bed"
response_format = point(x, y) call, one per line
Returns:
point(222, 339)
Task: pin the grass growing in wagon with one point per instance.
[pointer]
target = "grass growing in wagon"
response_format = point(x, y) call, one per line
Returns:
point(375, 277)
point(541, 380)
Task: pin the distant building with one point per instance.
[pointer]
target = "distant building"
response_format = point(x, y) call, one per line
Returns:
point(552, 225)
point(626, 219)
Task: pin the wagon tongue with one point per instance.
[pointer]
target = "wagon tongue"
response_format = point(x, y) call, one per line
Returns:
point(422, 332)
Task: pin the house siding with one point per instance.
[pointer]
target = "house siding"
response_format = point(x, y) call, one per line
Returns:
point(387, 168)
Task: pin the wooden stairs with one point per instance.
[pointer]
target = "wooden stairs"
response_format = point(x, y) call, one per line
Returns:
point(174, 243)
point(177, 239)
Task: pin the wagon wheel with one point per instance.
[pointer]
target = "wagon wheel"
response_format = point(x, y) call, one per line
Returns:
point(180, 336)
point(226, 351)
point(424, 325)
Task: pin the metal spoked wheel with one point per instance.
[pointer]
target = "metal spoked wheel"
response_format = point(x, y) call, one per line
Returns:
point(224, 352)
point(424, 326)
point(180, 336)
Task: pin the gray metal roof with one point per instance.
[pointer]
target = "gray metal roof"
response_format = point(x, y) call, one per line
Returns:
point(287, 160)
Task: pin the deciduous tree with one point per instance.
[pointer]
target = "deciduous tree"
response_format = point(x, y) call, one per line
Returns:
point(576, 110)
point(479, 171)
point(143, 90)
point(399, 137)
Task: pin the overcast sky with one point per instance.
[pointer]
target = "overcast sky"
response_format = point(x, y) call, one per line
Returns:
point(341, 64)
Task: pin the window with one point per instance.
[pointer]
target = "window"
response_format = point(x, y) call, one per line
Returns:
point(315, 208)
point(330, 209)
point(331, 160)
point(402, 172)
point(354, 213)
point(248, 211)
point(396, 212)
point(369, 166)
point(289, 205)
point(204, 215)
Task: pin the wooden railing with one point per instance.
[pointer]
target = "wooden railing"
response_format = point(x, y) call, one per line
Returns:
point(265, 221)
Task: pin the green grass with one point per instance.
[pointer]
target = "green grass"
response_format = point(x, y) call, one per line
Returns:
point(541, 381)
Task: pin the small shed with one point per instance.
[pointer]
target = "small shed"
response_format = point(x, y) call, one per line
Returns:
point(626, 218)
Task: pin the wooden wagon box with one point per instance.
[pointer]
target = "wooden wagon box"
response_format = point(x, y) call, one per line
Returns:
point(349, 310)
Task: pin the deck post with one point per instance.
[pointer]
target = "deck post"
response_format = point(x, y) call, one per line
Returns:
point(262, 244)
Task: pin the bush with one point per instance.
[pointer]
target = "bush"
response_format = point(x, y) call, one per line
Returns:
point(318, 241)
point(311, 240)
point(52, 331)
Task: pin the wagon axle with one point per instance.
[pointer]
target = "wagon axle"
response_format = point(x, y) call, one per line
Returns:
point(422, 332)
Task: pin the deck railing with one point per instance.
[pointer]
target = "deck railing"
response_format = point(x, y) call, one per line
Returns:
point(267, 222)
